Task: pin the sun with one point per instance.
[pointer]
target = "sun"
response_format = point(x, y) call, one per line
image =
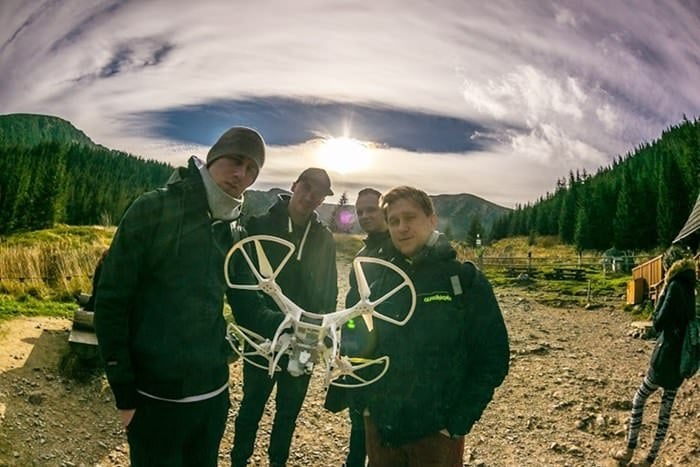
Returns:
point(344, 155)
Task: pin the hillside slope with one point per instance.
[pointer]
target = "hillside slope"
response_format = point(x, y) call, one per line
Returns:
point(31, 130)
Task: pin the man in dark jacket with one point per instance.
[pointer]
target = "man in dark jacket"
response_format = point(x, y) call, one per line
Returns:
point(449, 357)
point(159, 306)
point(309, 279)
point(357, 340)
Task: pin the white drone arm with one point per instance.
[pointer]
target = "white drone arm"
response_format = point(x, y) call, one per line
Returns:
point(349, 368)
point(314, 337)
point(238, 336)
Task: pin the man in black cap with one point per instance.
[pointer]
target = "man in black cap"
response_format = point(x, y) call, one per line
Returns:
point(159, 306)
point(310, 280)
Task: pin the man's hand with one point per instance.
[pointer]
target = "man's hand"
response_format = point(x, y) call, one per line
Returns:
point(125, 416)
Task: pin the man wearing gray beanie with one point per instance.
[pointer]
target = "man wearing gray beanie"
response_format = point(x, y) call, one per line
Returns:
point(159, 319)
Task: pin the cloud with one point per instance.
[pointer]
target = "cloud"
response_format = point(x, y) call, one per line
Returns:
point(527, 94)
point(288, 121)
point(564, 16)
point(539, 85)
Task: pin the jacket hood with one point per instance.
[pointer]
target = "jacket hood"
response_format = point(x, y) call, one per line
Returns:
point(682, 270)
point(183, 173)
point(280, 211)
point(281, 208)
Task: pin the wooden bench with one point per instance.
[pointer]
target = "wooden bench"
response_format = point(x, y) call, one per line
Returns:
point(82, 334)
point(576, 274)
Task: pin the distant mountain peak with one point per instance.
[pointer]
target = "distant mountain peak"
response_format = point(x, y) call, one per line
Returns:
point(23, 129)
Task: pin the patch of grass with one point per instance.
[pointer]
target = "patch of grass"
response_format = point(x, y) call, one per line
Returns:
point(72, 235)
point(643, 311)
point(27, 305)
point(347, 244)
point(53, 263)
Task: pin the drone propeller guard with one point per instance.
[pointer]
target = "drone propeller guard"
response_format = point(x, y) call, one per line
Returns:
point(310, 338)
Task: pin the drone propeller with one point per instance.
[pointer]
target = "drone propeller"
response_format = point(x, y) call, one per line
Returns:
point(314, 338)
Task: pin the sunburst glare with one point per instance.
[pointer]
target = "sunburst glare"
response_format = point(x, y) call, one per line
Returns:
point(344, 155)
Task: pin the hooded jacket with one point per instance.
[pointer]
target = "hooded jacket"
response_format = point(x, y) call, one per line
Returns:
point(159, 319)
point(675, 307)
point(449, 357)
point(310, 277)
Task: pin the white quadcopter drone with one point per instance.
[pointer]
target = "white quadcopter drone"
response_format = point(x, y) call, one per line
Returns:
point(310, 338)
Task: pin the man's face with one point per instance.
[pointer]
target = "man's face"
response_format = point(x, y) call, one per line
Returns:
point(233, 174)
point(409, 226)
point(369, 214)
point(305, 199)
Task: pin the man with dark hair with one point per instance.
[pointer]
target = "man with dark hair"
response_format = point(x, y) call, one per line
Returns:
point(310, 280)
point(449, 357)
point(357, 339)
point(159, 309)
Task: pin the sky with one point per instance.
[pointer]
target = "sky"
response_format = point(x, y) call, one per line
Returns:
point(495, 98)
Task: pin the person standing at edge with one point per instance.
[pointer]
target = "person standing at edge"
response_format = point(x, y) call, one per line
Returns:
point(310, 280)
point(357, 340)
point(449, 357)
point(159, 309)
point(674, 309)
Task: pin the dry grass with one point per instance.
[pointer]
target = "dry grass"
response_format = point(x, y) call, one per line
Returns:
point(55, 263)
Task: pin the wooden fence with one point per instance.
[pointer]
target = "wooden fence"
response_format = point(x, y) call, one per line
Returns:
point(592, 263)
point(651, 273)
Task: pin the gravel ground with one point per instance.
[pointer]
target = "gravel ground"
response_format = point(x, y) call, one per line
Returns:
point(564, 403)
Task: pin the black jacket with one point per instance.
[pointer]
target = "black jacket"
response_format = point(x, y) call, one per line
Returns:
point(357, 340)
point(447, 360)
point(159, 307)
point(312, 280)
point(675, 307)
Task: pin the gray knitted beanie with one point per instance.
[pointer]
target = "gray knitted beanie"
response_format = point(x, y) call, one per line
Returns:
point(239, 141)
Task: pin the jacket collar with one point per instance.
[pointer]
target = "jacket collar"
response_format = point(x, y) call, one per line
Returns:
point(281, 209)
point(683, 269)
point(376, 239)
point(441, 250)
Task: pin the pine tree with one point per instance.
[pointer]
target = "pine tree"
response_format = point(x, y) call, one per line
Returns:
point(341, 218)
point(567, 215)
point(624, 221)
point(583, 234)
point(671, 207)
point(475, 228)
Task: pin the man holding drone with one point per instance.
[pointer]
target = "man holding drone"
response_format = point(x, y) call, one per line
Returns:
point(357, 340)
point(309, 279)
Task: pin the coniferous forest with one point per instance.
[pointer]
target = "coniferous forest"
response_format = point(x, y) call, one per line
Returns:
point(639, 202)
point(50, 172)
point(71, 183)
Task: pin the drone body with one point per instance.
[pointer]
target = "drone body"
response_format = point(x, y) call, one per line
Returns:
point(309, 339)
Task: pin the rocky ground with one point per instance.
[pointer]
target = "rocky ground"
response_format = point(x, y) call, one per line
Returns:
point(564, 403)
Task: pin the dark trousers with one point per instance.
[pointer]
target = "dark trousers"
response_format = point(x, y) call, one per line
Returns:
point(434, 450)
point(356, 452)
point(257, 386)
point(177, 434)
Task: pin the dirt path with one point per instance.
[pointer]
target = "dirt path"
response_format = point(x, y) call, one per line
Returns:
point(564, 403)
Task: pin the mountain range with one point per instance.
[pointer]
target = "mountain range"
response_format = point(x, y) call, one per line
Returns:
point(456, 212)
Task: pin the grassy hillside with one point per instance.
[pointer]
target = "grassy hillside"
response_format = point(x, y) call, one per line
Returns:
point(31, 130)
point(41, 271)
